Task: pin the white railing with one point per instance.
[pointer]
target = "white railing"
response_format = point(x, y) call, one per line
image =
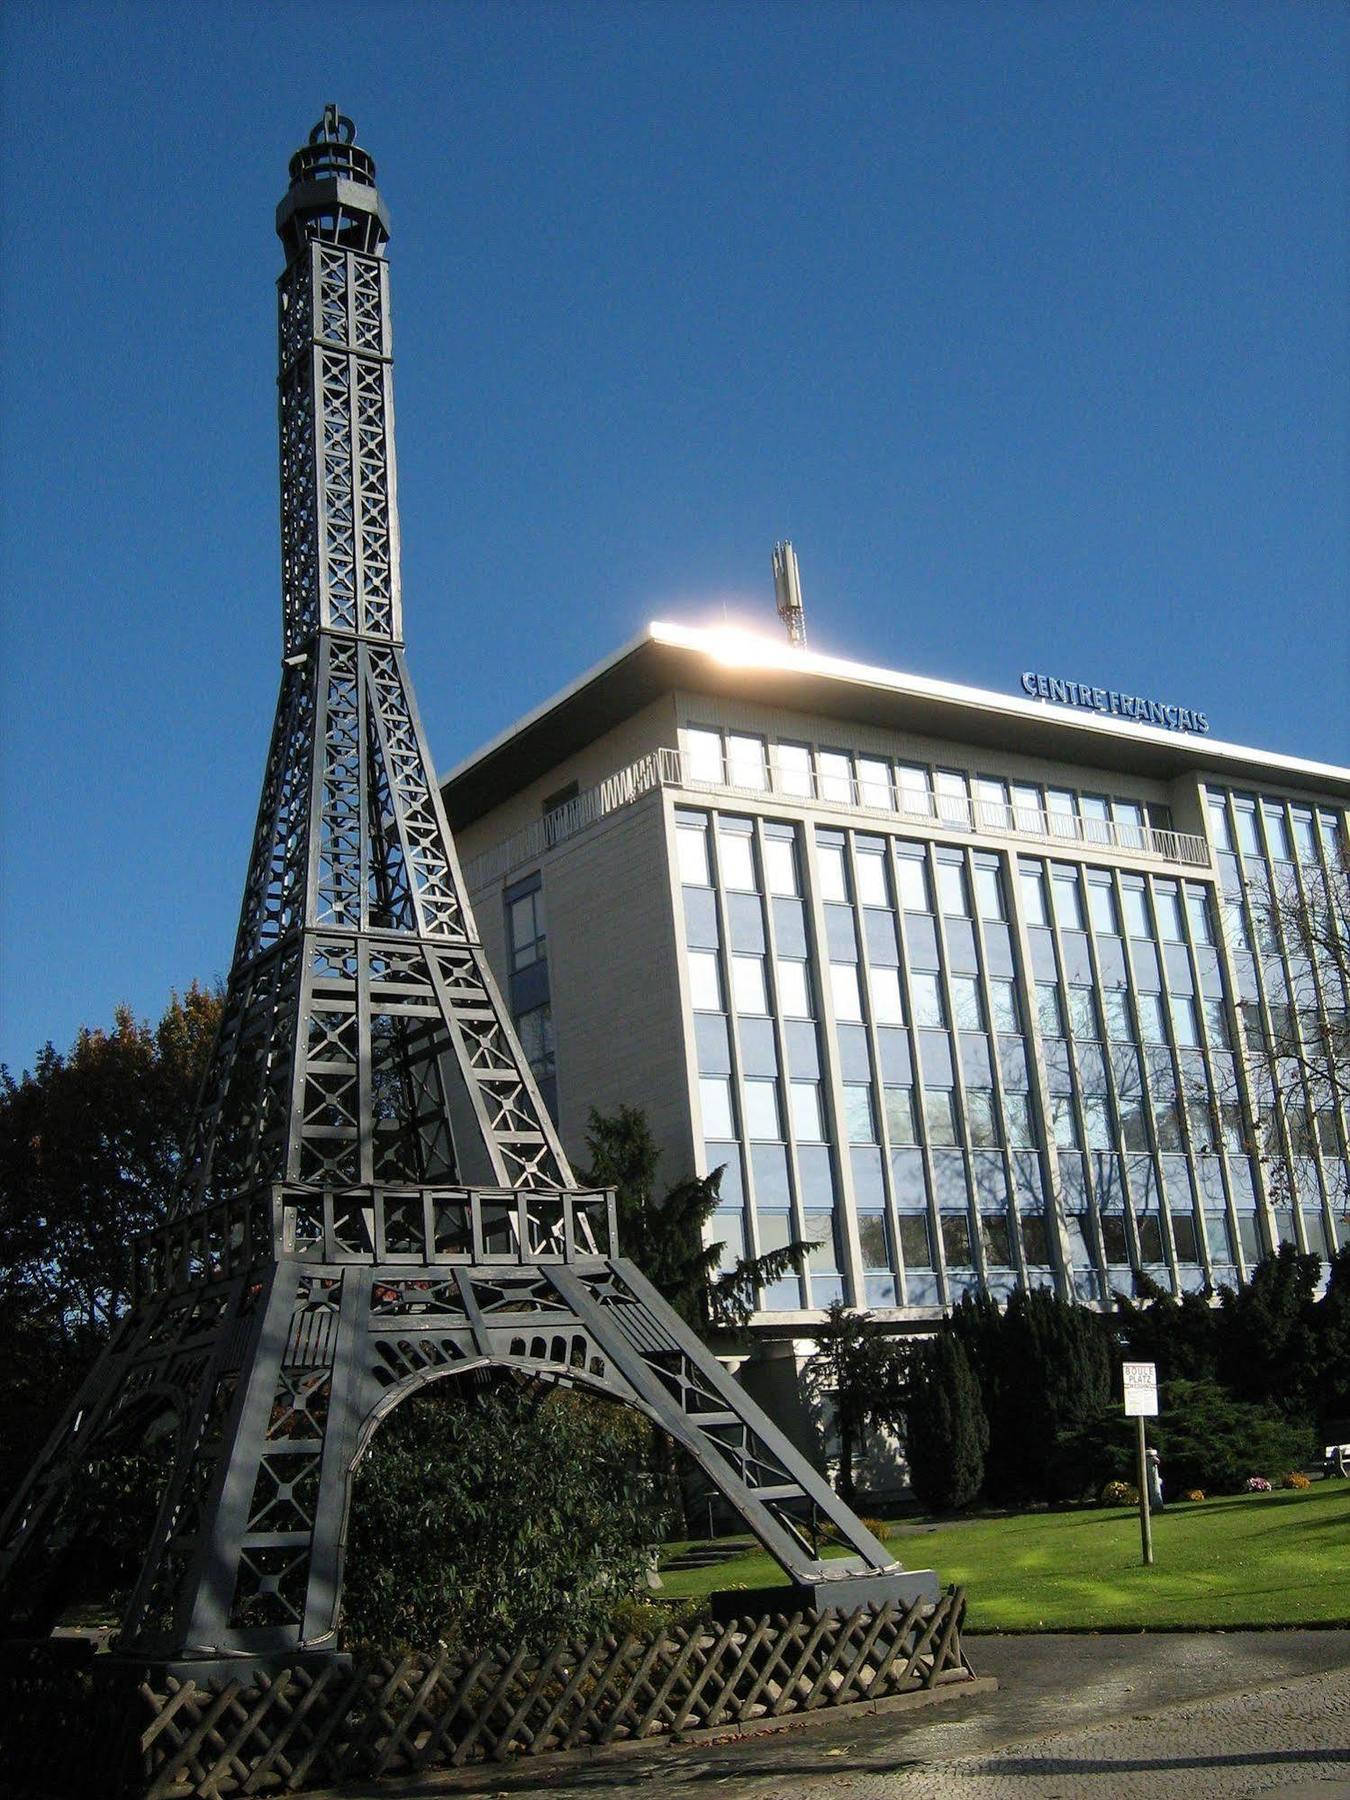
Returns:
point(668, 768)
point(951, 810)
point(531, 841)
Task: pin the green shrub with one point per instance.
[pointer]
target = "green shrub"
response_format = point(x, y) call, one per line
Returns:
point(502, 1514)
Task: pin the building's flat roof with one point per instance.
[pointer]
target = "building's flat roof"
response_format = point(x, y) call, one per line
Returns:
point(740, 665)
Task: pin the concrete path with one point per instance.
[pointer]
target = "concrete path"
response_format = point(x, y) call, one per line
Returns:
point(1176, 1716)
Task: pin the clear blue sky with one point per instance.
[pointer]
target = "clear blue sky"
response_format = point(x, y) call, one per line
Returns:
point(1025, 321)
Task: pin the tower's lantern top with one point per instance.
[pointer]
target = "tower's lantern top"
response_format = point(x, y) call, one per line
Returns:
point(332, 193)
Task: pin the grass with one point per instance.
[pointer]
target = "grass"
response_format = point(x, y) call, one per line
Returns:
point(1250, 1559)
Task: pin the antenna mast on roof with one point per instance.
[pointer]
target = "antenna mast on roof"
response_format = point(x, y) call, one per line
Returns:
point(787, 587)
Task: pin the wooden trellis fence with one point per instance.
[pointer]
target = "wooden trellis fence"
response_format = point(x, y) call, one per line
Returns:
point(304, 1726)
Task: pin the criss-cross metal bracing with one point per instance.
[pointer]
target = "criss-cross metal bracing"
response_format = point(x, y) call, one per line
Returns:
point(374, 1194)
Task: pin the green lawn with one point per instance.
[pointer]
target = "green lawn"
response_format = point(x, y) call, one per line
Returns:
point(1253, 1559)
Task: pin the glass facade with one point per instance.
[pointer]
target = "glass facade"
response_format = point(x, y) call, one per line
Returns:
point(949, 1068)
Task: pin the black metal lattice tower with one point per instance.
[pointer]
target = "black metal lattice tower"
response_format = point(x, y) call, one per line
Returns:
point(374, 1195)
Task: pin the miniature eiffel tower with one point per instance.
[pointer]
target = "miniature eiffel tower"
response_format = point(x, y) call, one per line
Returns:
point(374, 1195)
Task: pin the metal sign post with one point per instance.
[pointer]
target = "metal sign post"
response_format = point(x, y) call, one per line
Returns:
point(1141, 1402)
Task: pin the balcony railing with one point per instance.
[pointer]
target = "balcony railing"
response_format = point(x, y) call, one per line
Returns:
point(946, 812)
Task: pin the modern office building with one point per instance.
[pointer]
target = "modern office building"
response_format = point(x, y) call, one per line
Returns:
point(968, 989)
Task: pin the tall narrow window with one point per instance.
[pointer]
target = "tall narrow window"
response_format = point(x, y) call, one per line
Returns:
point(702, 753)
point(745, 762)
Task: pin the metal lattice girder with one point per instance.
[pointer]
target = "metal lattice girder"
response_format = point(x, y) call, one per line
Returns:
point(373, 1194)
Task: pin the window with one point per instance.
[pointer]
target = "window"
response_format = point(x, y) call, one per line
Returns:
point(1136, 911)
point(1185, 1025)
point(1068, 904)
point(874, 782)
point(1003, 995)
point(871, 867)
point(901, 1126)
point(845, 992)
point(1063, 1125)
point(1304, 839)
point(705, 982)
point(1249, 840)
point(1095, 812)
point(761, 1110)
point(1216, 1024)
point(535, 1031)
point(991, 798)
point(780, 866)
point(981, 1122)
point(913, 883)
point(939, 1111)
point(702, 753)
point(872, 1240)
point(1129, 819)
point(969, 1015)
point(1148, 1228)
point(1114, 1241)
point(1017, 1113)
point(1219, 1238)
point(1082, 1013)
point(1168, 909)
point(1035, 1239)
point(953, 799)
point(747, 984)
point(926, 995)
point(915, 1248)
point(989, 892)
point(912, 783)
point(1277, 834)
point(1102, 907)
point(1027, 810)
point(745, 762)
point(952, 887)
point(794, 990)
point(807, 1119)
point(736, 857)
point(793, 765)
point(1218, 822)
point(1197, 908)
point(1097, 1122)
point(714, 1093)
point(525, 916)
point(1151, 1027)
point(884, 986)
point(1116, 1005)
point(833, 880)
point(956, 1240)
point(1047, 1009)
point(859, 1119)
point(1033, 895)
point(836, 776)
point(691, 847)
point(995, 1240)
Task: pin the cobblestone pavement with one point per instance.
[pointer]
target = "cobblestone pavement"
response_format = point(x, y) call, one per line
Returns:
point(1175, 1716)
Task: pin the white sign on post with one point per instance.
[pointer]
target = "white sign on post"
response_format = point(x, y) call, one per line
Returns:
point(1141, 1390)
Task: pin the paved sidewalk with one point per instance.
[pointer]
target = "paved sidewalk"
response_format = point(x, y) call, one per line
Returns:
point(1173, 1716)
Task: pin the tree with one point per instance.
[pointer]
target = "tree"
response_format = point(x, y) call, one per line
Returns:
point(89, 1151)
point(859, 1369)
point(1267, 1347)
point(1054, 1371)
point(1300, 1064)
point(1179, 1336)
point(497, 1513)
point(946, 1431)
point(665, 1237)
point(1331, 1342)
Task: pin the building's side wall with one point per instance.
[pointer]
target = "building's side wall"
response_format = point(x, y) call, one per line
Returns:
point(647, 730)
point(955, 1052)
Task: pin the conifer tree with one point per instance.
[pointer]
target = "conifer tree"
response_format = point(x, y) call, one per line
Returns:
point(946, 1431)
